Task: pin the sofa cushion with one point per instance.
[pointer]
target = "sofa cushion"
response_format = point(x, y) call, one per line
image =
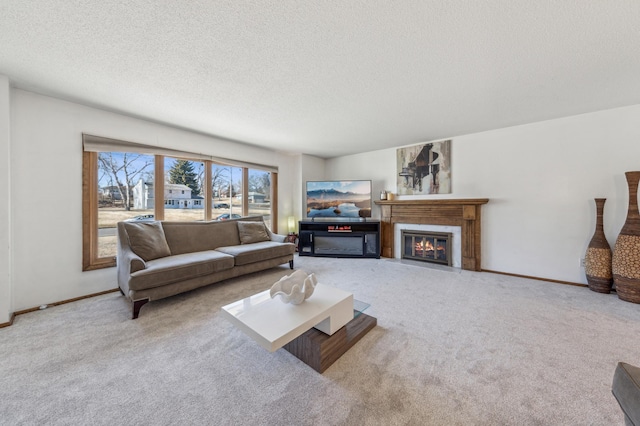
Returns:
point(626, 389)
point(252, 232)
point(255, 252)
point(180, 267)
point(190, 237)
point(147, 240)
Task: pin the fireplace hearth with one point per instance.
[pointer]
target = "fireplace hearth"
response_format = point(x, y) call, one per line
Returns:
point(432, 247)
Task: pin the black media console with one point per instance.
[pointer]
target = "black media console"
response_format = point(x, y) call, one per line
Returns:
point(339, 239)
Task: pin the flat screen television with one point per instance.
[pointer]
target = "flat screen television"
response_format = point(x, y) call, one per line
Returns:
point(339, 199)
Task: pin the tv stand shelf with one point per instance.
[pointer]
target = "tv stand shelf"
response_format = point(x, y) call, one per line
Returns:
point(339, 239)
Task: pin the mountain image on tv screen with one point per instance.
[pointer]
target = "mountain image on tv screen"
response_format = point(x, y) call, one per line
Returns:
point(343, 198)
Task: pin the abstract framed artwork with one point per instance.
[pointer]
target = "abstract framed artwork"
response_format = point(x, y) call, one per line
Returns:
point(424, 169)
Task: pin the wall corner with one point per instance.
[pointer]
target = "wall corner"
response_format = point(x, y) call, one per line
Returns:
point(6, 296)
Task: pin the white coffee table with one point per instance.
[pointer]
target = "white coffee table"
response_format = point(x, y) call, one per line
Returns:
point(317, 331)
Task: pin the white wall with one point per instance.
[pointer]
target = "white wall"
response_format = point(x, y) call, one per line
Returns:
point(5, 206)
point(46, 186)
point(541, 180)
point(306, 167)
point(311, 168)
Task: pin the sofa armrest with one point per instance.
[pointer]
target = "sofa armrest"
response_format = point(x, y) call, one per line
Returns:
point(136, 263)
point(278, 238)
point(127, 262)
point(626, 389)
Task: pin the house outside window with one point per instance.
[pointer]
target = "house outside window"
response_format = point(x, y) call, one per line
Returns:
point(183, 179)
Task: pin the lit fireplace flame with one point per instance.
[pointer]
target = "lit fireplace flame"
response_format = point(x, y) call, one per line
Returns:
point(424, 245)
point(428, 246)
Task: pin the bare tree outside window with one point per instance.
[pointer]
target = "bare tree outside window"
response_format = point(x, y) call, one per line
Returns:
point(219, 175)
point(123, 169)
point(125, 188)
point(226, 182)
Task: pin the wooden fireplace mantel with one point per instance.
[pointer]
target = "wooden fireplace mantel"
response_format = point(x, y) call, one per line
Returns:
point(465, 213)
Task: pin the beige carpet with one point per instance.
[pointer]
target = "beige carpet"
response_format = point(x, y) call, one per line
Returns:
point(451, 348)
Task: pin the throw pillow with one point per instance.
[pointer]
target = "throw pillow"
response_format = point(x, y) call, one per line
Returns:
point(147, 240)
point(252, 232)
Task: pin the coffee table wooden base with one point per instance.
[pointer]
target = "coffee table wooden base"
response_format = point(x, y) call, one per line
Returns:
point(319, 350)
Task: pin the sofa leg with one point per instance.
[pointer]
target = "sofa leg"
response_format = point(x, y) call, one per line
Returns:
point(291, 264)
point(137, 304)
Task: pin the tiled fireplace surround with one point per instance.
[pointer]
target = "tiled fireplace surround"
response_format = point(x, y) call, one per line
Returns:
point(463, 213)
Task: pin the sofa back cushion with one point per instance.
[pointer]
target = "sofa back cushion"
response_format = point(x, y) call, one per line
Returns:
point(147, 240)
point(252, 232)
point(189, 237)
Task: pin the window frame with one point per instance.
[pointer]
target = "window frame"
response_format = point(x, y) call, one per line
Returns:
point(90, 259)
point(90, 233)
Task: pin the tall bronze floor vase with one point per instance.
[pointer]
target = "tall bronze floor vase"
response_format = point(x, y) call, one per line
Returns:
point(597, 260)
point(626, 252)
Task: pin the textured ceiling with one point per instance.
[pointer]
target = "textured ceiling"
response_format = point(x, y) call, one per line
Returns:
point(328, 78)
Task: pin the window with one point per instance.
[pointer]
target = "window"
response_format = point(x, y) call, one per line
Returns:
point(120, 184)
point(120, 179)
point(226, 185)
point(183, 184)
point(259, 194)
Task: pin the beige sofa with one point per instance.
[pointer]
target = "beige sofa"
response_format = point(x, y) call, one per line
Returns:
point(159, 259)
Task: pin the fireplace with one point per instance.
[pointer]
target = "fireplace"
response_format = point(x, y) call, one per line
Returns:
point(464, 213)
point(432, 247)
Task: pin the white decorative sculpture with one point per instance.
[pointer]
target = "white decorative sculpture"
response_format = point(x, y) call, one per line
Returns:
point(294, 288)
